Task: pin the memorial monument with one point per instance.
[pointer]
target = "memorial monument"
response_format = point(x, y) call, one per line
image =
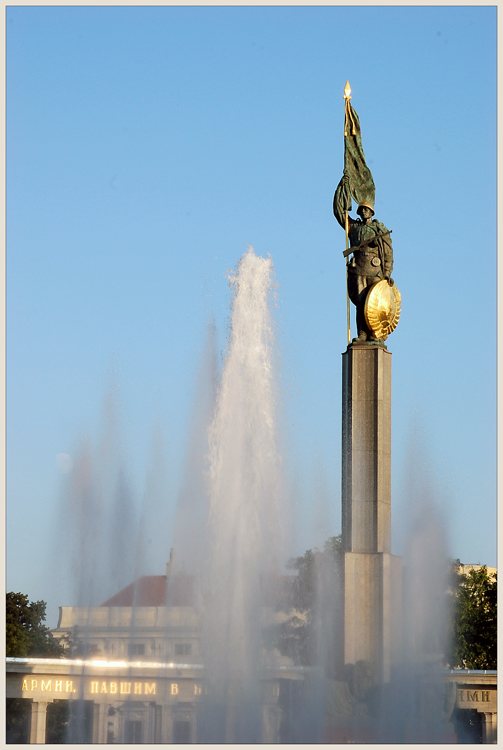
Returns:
point(372, 575)
point(182, 660)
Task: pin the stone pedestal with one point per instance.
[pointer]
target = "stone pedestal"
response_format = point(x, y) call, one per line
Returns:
point(372, 576)
point(372, 624)
point(366, 449)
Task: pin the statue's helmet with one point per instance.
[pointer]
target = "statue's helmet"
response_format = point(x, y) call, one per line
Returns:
point(365, 204)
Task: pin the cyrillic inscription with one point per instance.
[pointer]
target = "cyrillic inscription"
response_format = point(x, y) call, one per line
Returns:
point(66, 686)
point(476, 696)
point(48, 686)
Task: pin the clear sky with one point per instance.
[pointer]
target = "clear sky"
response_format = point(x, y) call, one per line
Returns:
point(146, 147)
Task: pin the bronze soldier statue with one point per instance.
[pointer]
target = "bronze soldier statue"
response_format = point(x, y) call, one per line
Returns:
point(368, 264)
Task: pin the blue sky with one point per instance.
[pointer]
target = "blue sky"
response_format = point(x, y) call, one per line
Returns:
point(146, 147)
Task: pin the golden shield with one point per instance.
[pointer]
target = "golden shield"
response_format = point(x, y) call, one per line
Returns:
point(382, 309)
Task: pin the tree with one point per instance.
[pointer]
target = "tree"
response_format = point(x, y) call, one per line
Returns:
point(303, 635)
point(17, 721)
point(75, 646)
point(474, 619)
point(308, 566)
point(26, 635)
point(56, 732)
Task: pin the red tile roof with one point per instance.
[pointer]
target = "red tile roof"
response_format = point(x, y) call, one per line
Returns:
point(147, 591)
point(154, 591)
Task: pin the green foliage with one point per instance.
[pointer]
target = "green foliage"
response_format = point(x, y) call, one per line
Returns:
point(474, 619)
point(304, 590)
point(57, 722)
point(26, 635)
point(316, 572)
point(303, 587)
point(17, 721)
point(76, 647)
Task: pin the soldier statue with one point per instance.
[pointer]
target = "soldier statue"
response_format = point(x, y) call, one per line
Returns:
point(368, 251)
point(369, 263)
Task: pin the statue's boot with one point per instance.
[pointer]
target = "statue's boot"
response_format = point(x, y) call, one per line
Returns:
point(372, 340)
point(362, 336)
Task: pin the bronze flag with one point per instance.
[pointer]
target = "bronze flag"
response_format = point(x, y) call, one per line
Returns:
point(355, 167)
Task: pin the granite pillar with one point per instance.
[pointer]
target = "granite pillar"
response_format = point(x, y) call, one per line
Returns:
point(372, 576)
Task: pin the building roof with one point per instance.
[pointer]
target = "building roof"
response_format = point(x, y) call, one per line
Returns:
point(156, 591)
point(466, 568)
point(178, 590)
point(147, 591)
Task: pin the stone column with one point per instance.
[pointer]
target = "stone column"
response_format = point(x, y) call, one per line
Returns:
point(372, 576)
point(100, 723)
point(158, 723)
point(489, 728)
point(38, 722)
point(167, 724)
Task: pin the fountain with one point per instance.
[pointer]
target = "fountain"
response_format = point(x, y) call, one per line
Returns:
point(375, 675)
point(236, 480)
point(245, 513)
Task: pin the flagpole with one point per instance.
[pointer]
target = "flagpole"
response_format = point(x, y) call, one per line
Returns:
point(347, 292)
point(347, 110)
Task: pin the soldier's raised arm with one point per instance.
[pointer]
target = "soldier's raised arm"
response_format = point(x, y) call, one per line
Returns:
point(342, 201)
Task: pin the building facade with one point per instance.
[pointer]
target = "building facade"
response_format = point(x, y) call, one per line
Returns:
point(136, 675)
point(127, 702)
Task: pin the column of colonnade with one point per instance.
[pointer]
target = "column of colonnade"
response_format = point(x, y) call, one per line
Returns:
point(38, 721)
point(489, 728)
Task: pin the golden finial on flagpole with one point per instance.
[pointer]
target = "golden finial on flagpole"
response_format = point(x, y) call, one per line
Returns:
point(348, 114)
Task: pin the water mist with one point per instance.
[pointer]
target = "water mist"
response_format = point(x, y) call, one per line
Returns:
point(245, 530)
point(190, 534)
point(418, 704)
point(230, 536)
point(102, 536)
